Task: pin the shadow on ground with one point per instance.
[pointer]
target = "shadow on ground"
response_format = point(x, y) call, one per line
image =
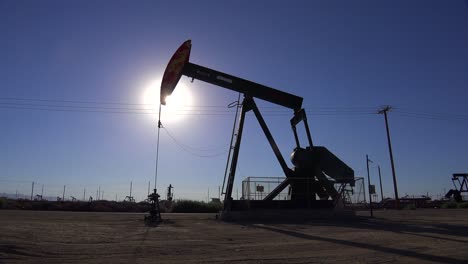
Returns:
point(13, 250)
point(432, 231)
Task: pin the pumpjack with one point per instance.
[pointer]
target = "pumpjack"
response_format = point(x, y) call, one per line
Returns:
point(460, 182)
point(316, 170)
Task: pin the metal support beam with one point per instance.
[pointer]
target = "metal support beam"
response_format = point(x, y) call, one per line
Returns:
point(277, 190)
point(246, 87)
point(296, 138)
point(309, 137)
point(235, 155)
point(247, 105)
point(274, 147)
point(297, 118)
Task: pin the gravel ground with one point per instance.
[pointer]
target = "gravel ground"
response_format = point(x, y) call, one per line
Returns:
point(417, 236)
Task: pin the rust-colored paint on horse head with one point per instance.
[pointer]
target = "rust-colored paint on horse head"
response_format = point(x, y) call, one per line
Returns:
point(174, 70)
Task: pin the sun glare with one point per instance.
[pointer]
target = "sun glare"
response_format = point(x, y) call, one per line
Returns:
point(177, 104)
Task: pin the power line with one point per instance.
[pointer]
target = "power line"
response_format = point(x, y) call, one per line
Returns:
point(184, 148)
point(51, 105)
point(224, 146)
point(434, 116)
point(178, 112)
point(187, 108)
point(69, 106)
point(13, 100)
point(139, 104)
point(71, 110)
point(67, 101)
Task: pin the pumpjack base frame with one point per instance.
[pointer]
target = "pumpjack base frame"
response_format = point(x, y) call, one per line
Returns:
point(245, 205)
point(287, 215)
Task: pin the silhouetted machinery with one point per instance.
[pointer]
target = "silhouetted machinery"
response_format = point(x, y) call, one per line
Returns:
point(460, 182)
point(154, 216)
point(129, 199)
point(170, 193)
point(316, 170)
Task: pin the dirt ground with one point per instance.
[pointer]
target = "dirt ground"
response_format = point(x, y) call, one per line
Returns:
point(419, 236)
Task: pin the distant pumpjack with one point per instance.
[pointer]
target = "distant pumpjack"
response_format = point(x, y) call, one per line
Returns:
point(460, 182)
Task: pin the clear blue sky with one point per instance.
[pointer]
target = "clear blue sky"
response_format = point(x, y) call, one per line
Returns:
point(345, 58)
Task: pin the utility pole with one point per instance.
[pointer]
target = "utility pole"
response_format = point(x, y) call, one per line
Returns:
point(149, 183)
point(63, 195)
point(368, 182)
point(384, 111)
point(381, 189)
point(84, 194)
point(42, 192)
point(364, 190)
point(99, 193)
point(32, 191)
point(102, 195)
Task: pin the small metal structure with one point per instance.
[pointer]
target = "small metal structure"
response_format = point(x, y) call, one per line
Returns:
point(154, 216)
point(415, 201)
point(316, 170)
point(355, 196)
point(254, 188)
point(169, 193)
point(129, 199)
point(460, 182)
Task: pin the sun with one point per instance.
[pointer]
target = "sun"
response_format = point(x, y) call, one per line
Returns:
point(177, 104)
